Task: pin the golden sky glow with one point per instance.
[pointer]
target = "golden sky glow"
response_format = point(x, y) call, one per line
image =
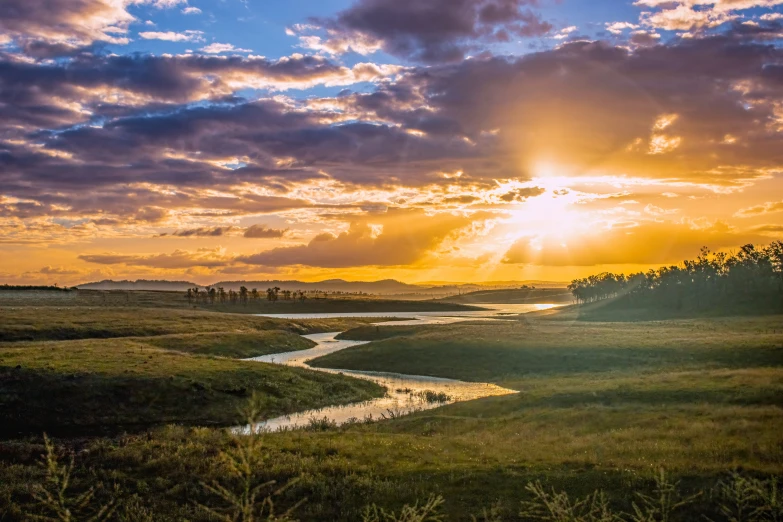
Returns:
point(371, 152)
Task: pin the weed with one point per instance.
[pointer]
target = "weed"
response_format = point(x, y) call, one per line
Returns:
point(434, 397)
point(243, 499)
point(324, 424)
point(55, 495)
point(661, 505)
point(427, 512)
point(559, 507)
point(748, 499)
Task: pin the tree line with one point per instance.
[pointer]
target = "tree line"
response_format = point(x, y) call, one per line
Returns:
point(23, 288)
point(218, 295)
point(752, 277)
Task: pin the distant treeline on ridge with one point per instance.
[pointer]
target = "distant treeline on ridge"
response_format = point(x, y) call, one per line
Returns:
point(35, 287)
point(751, 279)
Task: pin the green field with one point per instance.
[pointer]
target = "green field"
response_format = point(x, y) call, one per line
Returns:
point(235, 345)
point(85, 370)
point(511, 350)
point(100, 386)
point(55, 323)
point(601, 405)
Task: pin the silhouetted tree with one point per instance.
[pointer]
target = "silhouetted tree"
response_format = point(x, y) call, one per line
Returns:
point(753, 277)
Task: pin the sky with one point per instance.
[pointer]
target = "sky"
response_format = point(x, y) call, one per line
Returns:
point(419, 140)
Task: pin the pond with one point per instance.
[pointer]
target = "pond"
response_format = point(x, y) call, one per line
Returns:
point(405, 394)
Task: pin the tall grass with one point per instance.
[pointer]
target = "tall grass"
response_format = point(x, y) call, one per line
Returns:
point(428, 511)
point(244, 493)
point(57, 499)
point(242, 496)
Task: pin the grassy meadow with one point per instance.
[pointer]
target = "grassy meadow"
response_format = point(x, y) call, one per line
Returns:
point(601, 406)
point(509, 351)
point(87, 322)
point(87, 370)
point(119, 299)
point(512, 296)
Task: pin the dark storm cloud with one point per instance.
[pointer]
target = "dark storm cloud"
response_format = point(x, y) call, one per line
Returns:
point(437, 30)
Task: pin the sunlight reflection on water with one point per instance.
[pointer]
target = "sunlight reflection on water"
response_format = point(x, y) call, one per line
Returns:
point(404, 393)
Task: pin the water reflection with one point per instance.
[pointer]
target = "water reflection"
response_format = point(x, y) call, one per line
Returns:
point(404, 393)
point(490, 310)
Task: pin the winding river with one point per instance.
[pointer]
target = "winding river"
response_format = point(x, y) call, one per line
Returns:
point(404, 393)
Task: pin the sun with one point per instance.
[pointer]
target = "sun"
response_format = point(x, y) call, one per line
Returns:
point(551, 215)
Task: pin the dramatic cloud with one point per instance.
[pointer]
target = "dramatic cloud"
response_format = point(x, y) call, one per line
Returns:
point(81, 21)
point(663, 112)
point(447, 157)
point(399, 238)
point(648, 243)
point(179, 259)
point(74, 22)
point(262, 231)
point(433, 31)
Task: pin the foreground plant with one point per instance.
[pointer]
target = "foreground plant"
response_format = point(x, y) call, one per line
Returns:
point(427, 512)
point(662, 504)
point(559, 507)
point(659, 506)
point(748, 499)
point(56, 497)
point(244, 496)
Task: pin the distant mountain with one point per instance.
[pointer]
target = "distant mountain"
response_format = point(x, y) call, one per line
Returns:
point(382, 287)
point(386, 286)
point(139, 284)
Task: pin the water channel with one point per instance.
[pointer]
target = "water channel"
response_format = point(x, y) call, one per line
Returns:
point(404, 393)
